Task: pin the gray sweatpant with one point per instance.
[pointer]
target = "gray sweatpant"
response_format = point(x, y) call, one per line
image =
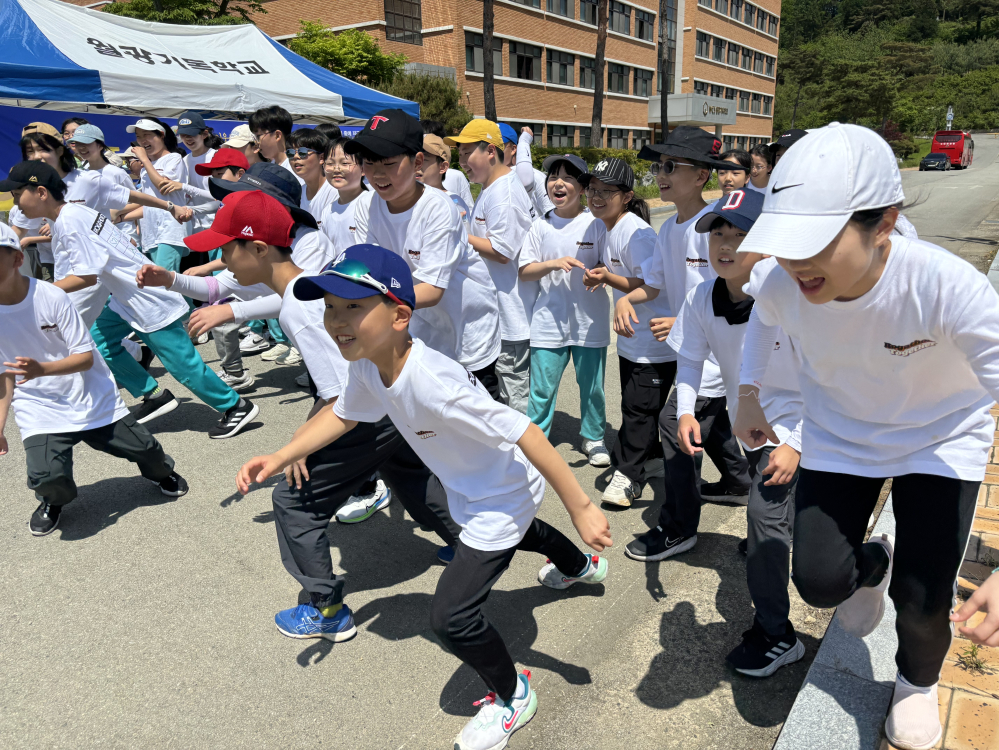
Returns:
point(513, 370)
point(227, 346)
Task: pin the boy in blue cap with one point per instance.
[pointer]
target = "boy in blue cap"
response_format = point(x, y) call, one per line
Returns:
point(494, 491)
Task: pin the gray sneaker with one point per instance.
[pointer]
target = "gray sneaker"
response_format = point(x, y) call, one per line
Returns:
point(597, 452)
point(237, 382)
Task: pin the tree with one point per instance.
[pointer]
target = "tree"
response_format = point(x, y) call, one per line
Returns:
point(977, 9)
point(439, 99)
point(663, 68)
point(352, 54)
point(488, 89)
point(188, 12)
point(596, 124)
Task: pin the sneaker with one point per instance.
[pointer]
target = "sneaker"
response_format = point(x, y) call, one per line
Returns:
point(655, 467)
point(445, 554)
point(656, 545)
point(303, 380)
point(242, 382)
point(491, 727)
point(717, 492)
point(361, 507)
point(274, 352)
point(914, 718)
point(244, 331)
point(290, 357)
point(621, 491)
point(147, 358)
point(174, 485)
point(157, 406)
point(200, 339)
point(861, 614)
point(760, 655)
point(234, 420)
point(305, 621)
point(45, 519)
point(597, 452)
point(253, 343)
point(553, 578)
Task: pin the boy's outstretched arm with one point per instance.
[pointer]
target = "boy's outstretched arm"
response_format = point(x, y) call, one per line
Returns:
point(589, 521)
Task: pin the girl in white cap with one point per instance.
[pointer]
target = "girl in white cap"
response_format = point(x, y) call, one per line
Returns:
point(900, 364)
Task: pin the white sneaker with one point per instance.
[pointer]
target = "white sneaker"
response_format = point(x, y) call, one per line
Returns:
point(597, 452)
point(290, 357)
point(621, 491)
point(361, 507)
point(490, 729)
point(201, 339)
point(554, 578)
point(244, 331)
point(133, 347)
point(655, 468)
point(303, 380)
point(253, 343)
point(237, 382)
point(274, 352)
point(861, 614)
point(914, 718)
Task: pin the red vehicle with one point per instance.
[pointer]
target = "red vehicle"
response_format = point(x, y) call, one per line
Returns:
point(956, 144)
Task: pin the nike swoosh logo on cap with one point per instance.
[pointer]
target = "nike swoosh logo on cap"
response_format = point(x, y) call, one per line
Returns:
point(785, 187)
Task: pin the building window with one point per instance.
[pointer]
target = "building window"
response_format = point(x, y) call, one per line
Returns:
point(643, 82)
point(588, 11)
point(719, 50)
point(561, 7)
point(473, 53)
point(767, 101)
point(587, 72)
point(735, 9)
point(536, 127)
point(643, 25)
point(703, 44)
point(525, 61)
point(529, 3)
point(561, 66)
point(740, 142)
point(770, 66)
point(743, 101)
point(733, 54)
point(717, 90)
point(640, 139)
point(757, 104)
point(749, 14)
point(617, 138)
point(403, 21)
point(731, 94)
point(700, 87)
point(772, 25)
point(747, 59)
point(561, 136)
point(757, 62)
point(729, 142)
point(721, 6)
point(617, 78)
point(585, 141)
point(705, 3)
point(761, 21)
point(620, 18)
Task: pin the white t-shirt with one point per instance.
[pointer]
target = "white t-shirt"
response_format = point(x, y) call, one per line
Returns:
point(311, 250)
point(465, 324)
point(462, 435)
point(900, 380)
point(320, 201)
point(119, 176)
point(303, 323)
point(31, 227)
point(624, 250)
point(46, 327)
point(87, 243)
point(464, 209)
point(455, 182)
point(566, 313)
point(202, 219)
point(680, 263)
point(750, 186)
point(191, 161)
point(95, 190)
point(503, 214)
point(157, 225)
point(338, 222)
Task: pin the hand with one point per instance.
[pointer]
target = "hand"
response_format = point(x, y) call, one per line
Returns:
point(27, 367)
point(592, 526)
point(751, 425)
point(565, 264)
point(150, 275)
point(986, 599)
point(527, 130)
point(182, 214)
point(206, 318)
point(661, 327)
point(624, 313)
point(140, 154)
point(170, 186)
point(689, 442)
point(45, 230)
point(257, 469)
point(3, 446)
point(783, 463)
point(203, 270)
point(296, 473)
point(595, 277)
point(117, 217)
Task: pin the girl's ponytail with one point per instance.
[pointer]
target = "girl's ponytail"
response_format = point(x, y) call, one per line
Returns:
point(212, 139)
point(640, 208)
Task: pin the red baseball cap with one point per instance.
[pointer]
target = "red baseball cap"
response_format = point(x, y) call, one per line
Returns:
point(224, 157)
point(248, 215)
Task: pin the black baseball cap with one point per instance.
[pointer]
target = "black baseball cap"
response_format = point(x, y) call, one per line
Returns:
point(32, 174)
point(388, 133)
point(688, 142)
point(272, 179)
point(343, 277)
point(613, 171)
point(190, 123)
point(550, 164)
point(788, 139)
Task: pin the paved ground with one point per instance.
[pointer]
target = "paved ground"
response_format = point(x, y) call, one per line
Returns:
point(147, 622)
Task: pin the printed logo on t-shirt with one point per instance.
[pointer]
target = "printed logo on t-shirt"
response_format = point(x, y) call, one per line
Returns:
point(50, 327)
point(482, 219)
point(776, 346)
point(424, 434)
point(352, 229)
point(471, 378)
point(905, 350)
point(616, 262)
point(584, 245)
point(79, 201)
point(697, 262)
point(98, 224)
point(414, 254)
point(247, 231)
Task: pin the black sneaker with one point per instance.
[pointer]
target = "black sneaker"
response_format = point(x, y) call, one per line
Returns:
point(744, 547)
point(717, 492)
point(760, 655)
point(234, 420)
point(157, 406)
point(45, 519)
point(174, 485)
point(146, 358)
point(656, 545)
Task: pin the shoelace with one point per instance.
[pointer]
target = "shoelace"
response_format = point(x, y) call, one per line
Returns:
point(489, 700)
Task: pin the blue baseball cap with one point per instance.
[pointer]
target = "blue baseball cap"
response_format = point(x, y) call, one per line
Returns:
point(274, 180)
point(87, 134)
point(740, 208)
point(508, 133)
point(344, 277)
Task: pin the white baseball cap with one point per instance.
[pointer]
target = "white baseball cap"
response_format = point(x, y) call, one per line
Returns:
point(144, 125)
point(240, 136)
point(8, 238)
point(817, 186)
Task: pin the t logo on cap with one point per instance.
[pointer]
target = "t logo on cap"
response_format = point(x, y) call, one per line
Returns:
point(376, 120)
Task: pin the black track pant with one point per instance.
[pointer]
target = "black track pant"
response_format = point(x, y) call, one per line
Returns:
point(644, 390)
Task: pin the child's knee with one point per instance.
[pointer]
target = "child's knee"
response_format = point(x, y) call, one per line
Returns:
point(820, 584)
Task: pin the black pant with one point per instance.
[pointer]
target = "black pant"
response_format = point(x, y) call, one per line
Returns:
point(933, 518)
point(644, 390)
point(456, 612)
point(50, 457)
point(487, 376)
point(722, 447)
point(335, 473)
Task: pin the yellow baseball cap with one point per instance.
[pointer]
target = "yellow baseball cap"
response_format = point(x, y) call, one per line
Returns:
point(478, 131)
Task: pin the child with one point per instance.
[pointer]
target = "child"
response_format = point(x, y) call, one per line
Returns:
point(568, 321)
point(714, 319)
point(243, 139)
point(454, 180)
point(500, 220)
point(899, 341)
point(344, 173)
point(759, 175)
point(62, 395)
point(625, 242)
point(735, 177)
point(436, 157)
point(203, 145)
point(779, 147)
point(271, 126)
point(493, 491)
point(306, 157)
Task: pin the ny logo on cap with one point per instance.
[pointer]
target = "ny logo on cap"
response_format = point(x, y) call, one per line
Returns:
point(247, 231)
point(376, 120)
point(601, 166)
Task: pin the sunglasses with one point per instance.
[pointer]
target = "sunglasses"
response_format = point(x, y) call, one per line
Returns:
point(354, 270)
point(303, 152)
point(668, 167)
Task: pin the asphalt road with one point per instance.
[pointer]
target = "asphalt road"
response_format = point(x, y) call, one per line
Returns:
point(147, 622)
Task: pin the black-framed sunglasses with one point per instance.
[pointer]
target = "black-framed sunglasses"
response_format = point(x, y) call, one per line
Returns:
point(356, 271)
point(668, 166)
point(301, 152)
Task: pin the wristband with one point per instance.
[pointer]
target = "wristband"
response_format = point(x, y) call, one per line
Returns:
point(170, 206)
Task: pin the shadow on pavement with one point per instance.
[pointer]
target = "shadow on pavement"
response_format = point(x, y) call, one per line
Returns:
point(101, 504)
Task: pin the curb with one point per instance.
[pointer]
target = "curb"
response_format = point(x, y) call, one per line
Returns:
point(661, 210)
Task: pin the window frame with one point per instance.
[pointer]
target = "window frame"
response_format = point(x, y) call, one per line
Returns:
point(470, 44)
point(555, 8)
point(621, 73)
point(743, 105)
point(587, 72)
point(645, 76)
point(645, 23)
point(565, 138)
point(718, 49)
point(616, 11)
point(402, 26)
point(515, 60)
point(567, 66)
point(591, 10)
point(615, 136)
point(702, 45)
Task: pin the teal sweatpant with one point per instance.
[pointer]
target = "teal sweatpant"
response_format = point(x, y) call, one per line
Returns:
point(547, 366)
point(168, 256)
point(274, 326)
point(174, 349)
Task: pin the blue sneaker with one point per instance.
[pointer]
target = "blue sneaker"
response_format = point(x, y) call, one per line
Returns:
point(445, 554)
point(305, 621)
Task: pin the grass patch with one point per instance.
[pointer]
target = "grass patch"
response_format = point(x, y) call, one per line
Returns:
point(971, 659)
point(912, 160)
